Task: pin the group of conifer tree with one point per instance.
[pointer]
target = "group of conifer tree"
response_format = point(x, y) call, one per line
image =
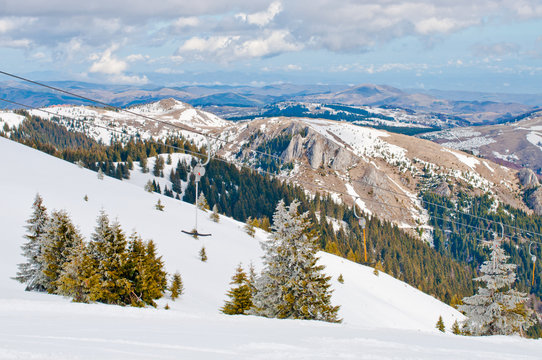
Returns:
point(291, 284)
point(110, 268)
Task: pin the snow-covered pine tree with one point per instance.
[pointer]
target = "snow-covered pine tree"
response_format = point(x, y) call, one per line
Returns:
point(252, 278)
point(59, 241)
point(31, 271)
point(107, 249)
point(202, 202)
point(497, 308)
point(240, 294)
point(292, 285)
point(176, 288)
point(214, 215)
point(75, 277)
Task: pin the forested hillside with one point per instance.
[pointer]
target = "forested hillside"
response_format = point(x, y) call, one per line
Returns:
point(243, 193)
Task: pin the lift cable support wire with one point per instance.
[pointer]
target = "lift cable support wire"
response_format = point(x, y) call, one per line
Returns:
point(177, 126)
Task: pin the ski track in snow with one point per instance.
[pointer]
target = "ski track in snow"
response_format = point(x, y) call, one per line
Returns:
point(383, 317)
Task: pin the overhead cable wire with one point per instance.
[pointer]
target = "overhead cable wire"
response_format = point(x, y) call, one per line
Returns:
point(232, 143)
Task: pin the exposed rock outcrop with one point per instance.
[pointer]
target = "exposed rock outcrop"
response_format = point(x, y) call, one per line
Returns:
point(319, 151)
point(535, 201)
point(443, 189)
point(528, 178)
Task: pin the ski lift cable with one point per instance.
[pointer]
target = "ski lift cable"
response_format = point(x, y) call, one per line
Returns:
point(177, 126)
point(286, 178)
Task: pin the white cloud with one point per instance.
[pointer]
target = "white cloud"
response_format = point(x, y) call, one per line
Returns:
point(276, 42)
point(262, 18)
point(293, 67)
point(130, 79)
point(137, 57)
point(185, 22)
point(495, 49)
point(8, 24)
point(168, 71)
point(210, 44)
point(16, 43)
point(107, 63)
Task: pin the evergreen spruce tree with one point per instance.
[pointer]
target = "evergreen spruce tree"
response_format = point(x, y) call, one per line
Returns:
point(31, 271)
point(214, 215)
point(292, 285)
point(100, 174)
point(158, 166)
point(202, 202)
point(146, 272)
point(149, 186)
point(440, 324)
point(203, 254)
point(76, 274)
point(107, 250)
point(59, 241)
point(340, 279)
point(456, 330)
point(176, 288)
point(497, 308)
point(143, 163)
point(240, 294)
point(249, 227)
point(159, 206)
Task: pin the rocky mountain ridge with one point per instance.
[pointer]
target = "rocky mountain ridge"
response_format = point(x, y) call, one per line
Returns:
point(382, 172)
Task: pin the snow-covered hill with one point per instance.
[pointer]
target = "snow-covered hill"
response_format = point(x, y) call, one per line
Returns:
point(385, 170)
point(383, 317)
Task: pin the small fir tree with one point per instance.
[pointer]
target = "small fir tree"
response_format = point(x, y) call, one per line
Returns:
point(158, 166)
point(202, 202)
point(169, 160)
point(85, 198)
point(143, 163)
point(176, 288)
point(74, 278)
point(214, 215)
point(340, 279)
point(440, 324)
point(100, 174)
point(58, 243)
point(159, 206)
point(497, 308)
point(292, 284)
point(249, 227)
point(240, 294)
point(378, 268)
point(107, 250)
point(265, 224)
point(203, 254)
point(149, 186)
point(456, 330)
point(31, 271)
point(252, 277)
point(146, 272)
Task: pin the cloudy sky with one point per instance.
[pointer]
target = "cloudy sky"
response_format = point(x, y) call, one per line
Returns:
point(483, 45)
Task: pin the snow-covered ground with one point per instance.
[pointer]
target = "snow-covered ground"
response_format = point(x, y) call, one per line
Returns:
point(383, 317)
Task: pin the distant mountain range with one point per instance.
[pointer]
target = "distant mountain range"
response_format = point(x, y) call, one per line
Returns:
point(231, 101)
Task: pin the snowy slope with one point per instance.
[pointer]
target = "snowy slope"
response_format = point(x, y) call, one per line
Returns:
point(383, 317)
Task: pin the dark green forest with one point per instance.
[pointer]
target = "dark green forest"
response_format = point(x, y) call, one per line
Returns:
point(464, 243)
